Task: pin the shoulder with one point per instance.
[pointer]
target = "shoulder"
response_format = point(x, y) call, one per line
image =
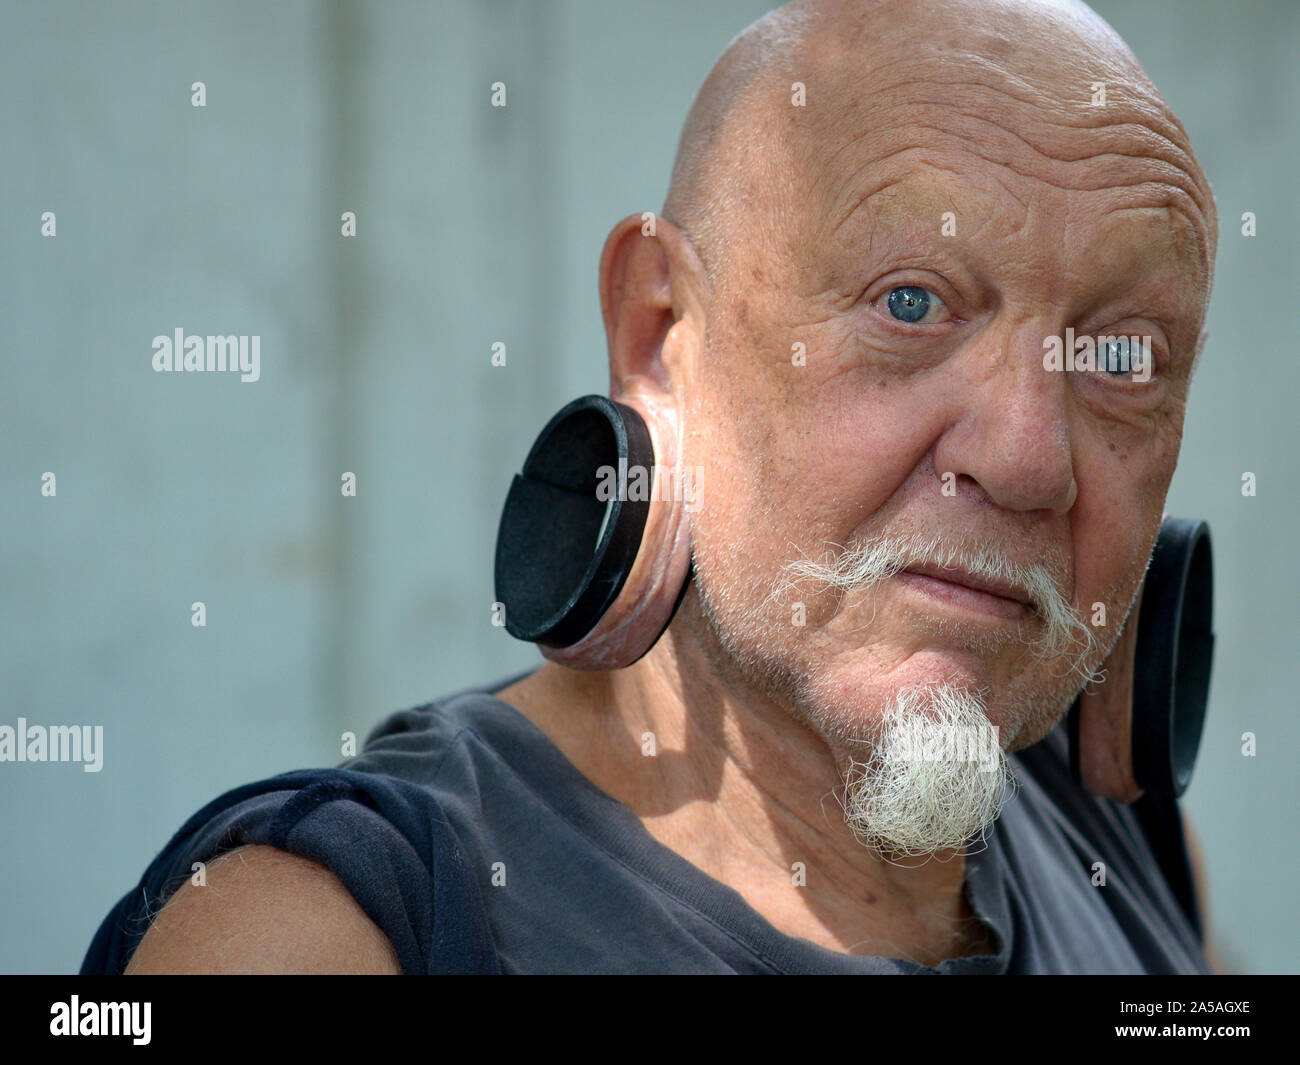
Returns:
point(299, 858)
point(412, 744)
point(380, 835)
point(264, 910)
point(312, 848)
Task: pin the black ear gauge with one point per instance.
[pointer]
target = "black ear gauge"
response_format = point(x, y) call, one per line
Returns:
point(563, 553)
point(1172, 661)
point(1175, 648)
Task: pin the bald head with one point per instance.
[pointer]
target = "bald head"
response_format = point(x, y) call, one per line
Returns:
point(740, 93)
point(1026, 70)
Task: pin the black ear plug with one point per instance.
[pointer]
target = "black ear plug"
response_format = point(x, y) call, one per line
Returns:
point(1175, 649)
point(1173, 658)
point(563, 554)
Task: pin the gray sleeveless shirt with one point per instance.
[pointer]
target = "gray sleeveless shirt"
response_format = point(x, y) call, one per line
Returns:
point(476, 846)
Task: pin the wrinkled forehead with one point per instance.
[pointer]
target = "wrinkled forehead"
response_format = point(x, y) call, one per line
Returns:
point(902, 120)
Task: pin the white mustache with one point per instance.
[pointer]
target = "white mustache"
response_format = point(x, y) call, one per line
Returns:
point(871, 562)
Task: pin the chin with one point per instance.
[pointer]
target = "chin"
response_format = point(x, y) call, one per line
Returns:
point(843, 700)
point(1028, 710)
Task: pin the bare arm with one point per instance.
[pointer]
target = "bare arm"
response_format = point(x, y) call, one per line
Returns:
point(264, 910)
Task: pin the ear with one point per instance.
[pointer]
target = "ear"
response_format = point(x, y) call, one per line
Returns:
point(651, 288)
point(649, 278)
point(1105, 735)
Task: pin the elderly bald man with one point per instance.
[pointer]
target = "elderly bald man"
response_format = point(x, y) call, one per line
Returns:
point(908, 522)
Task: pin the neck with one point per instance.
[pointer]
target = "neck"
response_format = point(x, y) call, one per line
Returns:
point(731, 780)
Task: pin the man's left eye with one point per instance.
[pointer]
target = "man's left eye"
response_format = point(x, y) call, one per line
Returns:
point(915, 305)
point(1124, 355)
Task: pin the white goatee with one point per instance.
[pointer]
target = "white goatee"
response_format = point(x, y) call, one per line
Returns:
point(935, 779)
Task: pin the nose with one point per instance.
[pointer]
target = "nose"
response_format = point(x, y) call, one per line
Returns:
point(1010, 438)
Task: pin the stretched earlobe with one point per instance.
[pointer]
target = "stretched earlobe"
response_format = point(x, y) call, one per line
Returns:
point(593, 552)
point(1140, 729)
point(1101, 722)
point(658, 577)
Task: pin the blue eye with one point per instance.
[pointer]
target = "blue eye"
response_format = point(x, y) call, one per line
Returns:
point(911, 303)
point(1124, 355)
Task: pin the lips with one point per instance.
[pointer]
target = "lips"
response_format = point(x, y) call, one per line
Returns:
point(956, 575)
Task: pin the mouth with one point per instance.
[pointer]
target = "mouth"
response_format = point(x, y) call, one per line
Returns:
point(955, 587)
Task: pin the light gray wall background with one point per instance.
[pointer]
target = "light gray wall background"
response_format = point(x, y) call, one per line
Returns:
point(475, 225)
